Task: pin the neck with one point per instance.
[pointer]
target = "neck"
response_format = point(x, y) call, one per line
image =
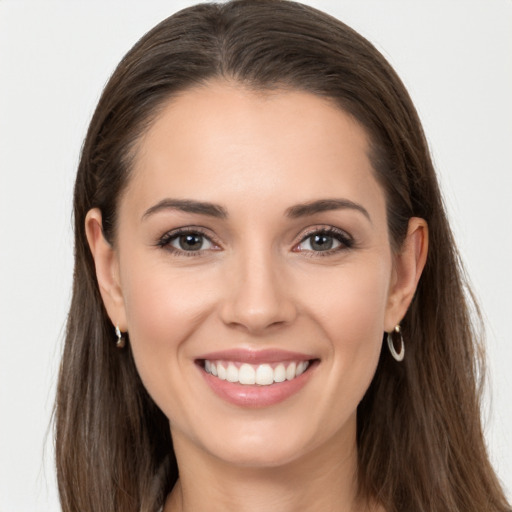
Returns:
point(325, 479)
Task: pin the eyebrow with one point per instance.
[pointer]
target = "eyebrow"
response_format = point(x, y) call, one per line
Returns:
point(189, 206)
point(324, 205)
point(219, 212)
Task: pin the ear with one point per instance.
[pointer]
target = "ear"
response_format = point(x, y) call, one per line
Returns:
point(408, 266)
point(107, 269)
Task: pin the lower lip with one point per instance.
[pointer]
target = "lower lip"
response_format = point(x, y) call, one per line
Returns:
point(254, 395)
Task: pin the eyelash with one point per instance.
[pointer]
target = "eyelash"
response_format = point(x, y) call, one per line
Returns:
point(165, 241)
point(346, 242)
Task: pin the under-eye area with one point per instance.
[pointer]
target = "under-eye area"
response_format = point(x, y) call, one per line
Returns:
point(248, 374)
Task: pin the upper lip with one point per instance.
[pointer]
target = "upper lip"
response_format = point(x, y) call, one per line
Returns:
point(256, 356)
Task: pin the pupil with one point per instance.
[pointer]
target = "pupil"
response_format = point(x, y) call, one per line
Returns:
point(322, 242)
point(191, 242)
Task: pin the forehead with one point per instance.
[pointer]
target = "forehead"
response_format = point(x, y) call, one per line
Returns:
point(222, 139)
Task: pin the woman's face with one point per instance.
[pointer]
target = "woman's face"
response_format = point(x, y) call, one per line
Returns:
point(252, 246)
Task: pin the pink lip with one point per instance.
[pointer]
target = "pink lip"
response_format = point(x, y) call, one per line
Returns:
point(255, 396)
point(256, 356)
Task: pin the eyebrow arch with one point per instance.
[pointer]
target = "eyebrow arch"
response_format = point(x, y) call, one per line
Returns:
point(323, 205)
point(189, 206)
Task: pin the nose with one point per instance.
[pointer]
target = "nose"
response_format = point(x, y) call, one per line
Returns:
point(258, 296)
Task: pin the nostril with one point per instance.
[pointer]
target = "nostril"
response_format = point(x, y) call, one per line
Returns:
point(257, 294)
point(257, 314)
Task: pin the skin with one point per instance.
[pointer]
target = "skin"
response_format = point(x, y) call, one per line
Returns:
point(257, 283)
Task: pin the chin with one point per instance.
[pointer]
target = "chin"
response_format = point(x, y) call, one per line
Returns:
point(258, 455)
point(268, 444)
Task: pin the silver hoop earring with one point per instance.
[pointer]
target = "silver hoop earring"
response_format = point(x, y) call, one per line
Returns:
point(397, 356)
point(120, 343)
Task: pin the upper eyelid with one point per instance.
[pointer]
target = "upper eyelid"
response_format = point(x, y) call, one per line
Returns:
point(189, 229)
point(323, 229)
point(173, 233)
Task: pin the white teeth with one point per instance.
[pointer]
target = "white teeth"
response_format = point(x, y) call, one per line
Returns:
point(246, 374)
point(290, 371)
point(262, 374)
point(300, 368)
point(232, 373)
point(221, 371)
point(279, 373)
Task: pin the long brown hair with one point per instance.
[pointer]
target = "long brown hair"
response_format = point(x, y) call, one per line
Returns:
point(420, 442)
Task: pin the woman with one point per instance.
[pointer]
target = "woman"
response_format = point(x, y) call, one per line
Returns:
point(268, 309)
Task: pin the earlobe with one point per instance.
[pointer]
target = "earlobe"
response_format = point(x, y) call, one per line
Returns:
point(107, 268)
point(408, 266)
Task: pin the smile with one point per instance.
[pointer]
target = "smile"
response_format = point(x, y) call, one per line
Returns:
point(259, 374)
point(256, 378)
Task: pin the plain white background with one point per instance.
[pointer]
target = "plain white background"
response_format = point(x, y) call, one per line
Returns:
point(55, 57)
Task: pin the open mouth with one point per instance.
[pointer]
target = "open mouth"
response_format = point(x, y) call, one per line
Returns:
point(247, 374)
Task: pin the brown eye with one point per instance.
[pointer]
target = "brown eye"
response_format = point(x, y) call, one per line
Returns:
point(191, 242)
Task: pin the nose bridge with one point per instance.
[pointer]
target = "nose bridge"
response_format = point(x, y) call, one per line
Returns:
point(258, 297)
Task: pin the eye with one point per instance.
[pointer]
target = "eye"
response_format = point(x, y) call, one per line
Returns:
point(190, 242)
point(319, 242)
point(187, 242)
point(324, 240)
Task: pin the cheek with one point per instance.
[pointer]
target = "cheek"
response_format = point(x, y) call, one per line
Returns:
point(163, 309)
point(161, 298)
point(350, 308)
point(351, 303)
